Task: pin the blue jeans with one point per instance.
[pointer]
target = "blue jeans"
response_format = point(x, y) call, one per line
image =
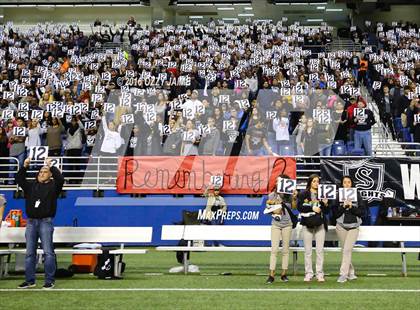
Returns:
point(43, 229)
point(325, 150)
point(363, 138)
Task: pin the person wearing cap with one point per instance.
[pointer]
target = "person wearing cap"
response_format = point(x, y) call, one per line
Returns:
point(41, 204)
point(215, 202)
point(216, 208)
point(283, 221)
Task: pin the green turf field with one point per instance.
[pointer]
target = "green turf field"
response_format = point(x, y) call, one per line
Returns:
point(148, 285)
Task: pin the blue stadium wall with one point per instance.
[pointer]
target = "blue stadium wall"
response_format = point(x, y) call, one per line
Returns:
point(80, 208)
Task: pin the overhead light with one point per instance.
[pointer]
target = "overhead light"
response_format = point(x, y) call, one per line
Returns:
point(320, 7)
point(230, 19)
point(280, 3)
point(318, 3)
point(27, 5)
point(248, 8)
point(204, 4)
point(120, 4)
point(185, 4)
point(76, 5)
point(196, 17)
point(226, 9)
point(334, 10)
point(244, 3)
point(246, 14)
point(298, 3)
point(314, 20)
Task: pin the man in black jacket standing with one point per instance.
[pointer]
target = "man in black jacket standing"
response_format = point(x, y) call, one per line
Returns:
point(41, 204)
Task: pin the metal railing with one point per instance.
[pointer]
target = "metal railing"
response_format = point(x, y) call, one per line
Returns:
point(399, 149)
point(343, 44)
point(99, 173)
point(115, 47)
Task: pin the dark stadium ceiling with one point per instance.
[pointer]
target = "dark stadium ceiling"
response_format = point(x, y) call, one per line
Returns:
point(179, 4)
point(29, 3)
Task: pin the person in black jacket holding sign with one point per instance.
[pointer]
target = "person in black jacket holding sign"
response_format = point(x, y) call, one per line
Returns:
point(41, 204)
point(348, 215)
point(314, 222)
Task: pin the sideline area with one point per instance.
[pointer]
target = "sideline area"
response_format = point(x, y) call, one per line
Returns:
point(147, 283)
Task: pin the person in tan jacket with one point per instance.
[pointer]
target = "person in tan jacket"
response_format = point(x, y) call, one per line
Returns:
point(216, 209)
point(215, 202)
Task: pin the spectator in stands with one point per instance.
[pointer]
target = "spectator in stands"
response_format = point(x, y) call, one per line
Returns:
point(281, 128)
point(403, 101)
point(282, 223)
point(54, 139)
point(34, 134)
point(350, 115)
point(110, 145)
point(41, 204)
point(416, 126)
point(190, 140)
point(172, 142)
point(314, 222)
point(362, 130)
point(310, 140)
point(387, 109)
point(17, 143)
point(74, 145)
point(362, 75)
point(339, 117)
point(131, 22)
point(97, 22)
point(211, 140)
point(348, 215)
point(256, 141)
point(410, 119)
point(298, 132)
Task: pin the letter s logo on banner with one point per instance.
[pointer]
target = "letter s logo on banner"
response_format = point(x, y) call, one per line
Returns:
point(369, 180)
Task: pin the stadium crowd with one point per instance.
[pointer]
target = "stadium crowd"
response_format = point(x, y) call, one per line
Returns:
point(215, 89)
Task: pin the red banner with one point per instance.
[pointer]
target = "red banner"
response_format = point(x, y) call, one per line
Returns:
point(191, 174)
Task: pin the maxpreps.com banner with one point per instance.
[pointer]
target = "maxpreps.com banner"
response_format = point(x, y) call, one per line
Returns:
point(378, 178)
point(191, 174)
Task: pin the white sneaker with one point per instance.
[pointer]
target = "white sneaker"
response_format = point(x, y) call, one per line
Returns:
point(308, 277)
point(352, 277)
point(320, 278)
point(342, 279)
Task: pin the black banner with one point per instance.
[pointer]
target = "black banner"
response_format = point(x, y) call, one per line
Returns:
point(396, 180)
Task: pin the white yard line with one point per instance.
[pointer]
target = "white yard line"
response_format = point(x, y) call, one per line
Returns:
point(213, 290)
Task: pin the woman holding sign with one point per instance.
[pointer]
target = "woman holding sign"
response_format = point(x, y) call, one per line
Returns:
point(314, 222)
point(279, 205)
point(348, 211)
